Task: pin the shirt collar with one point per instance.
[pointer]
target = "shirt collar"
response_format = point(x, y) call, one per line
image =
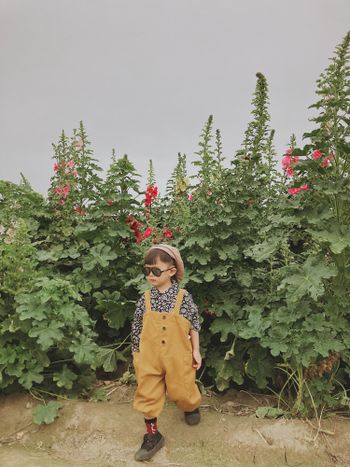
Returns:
point(173, 288)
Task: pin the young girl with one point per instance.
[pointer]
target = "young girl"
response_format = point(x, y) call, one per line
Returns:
point(165, 346)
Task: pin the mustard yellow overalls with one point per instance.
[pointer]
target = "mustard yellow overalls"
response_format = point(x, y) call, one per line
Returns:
point(164, 362)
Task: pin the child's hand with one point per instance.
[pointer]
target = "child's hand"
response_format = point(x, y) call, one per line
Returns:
point(197, 359)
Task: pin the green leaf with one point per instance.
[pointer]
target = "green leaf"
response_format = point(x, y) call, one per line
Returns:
point(264, 250)
point(46, 413)
point(65, 378)
point(47, 334)
point(307, 281)
point(84, 350)
point(224, 326)
point(338, 236)
point(100, 394)
point(269, 412)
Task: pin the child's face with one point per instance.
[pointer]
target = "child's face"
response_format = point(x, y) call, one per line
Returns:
point(164, 280)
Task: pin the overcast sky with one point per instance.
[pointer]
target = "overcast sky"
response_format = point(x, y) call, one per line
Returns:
point(144, 75)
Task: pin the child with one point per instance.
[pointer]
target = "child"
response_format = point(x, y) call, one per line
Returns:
point(165, 346)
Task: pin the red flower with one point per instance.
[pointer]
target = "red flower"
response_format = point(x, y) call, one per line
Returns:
point(290, 172)
point(289, 151)
point(167, 233)
point(109, 202)
point(55, 167)
point(61, 202)
point(148, 199)
point(305, 187)
point(190, 197)
point(294, 191)
point(147, 232)
point(80, 210)
point(316, 155)
point(325, 162)
point(58, 190)
point(151, 192)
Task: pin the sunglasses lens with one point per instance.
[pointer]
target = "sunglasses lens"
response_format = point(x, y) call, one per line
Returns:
point(155, 271)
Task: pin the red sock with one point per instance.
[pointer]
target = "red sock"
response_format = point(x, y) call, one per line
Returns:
point(151, 425)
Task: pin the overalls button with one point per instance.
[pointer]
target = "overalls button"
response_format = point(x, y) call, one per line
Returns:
point(164, 328)
point(163, 342)
point(164, 317)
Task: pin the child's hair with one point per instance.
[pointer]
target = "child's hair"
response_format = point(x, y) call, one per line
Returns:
point(152, 255)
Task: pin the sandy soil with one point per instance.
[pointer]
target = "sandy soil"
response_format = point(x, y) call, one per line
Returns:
point(106, 434)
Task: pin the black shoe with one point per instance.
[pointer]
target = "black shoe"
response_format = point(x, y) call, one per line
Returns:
point(192, 418)
point(151, 444)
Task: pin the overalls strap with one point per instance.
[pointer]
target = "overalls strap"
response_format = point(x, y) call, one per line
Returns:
point(148, 301)
point(178, 302)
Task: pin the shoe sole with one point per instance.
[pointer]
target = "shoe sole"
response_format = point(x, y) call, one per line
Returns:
point(194, 422)
point(150, 454)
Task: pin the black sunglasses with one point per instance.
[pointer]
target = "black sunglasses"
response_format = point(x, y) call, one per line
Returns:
point(155, 271)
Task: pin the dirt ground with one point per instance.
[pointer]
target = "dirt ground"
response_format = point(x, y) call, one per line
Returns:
point(106, 434)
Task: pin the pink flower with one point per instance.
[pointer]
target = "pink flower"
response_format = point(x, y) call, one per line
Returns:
point(58, 190)
point(305, 187)
point(290, 173)
point(55, 167)
point(294, 191)
point(66, 190)
point(61, 202)
point(295, 159)
point(325, 162)
point(288, 152)
point(316, 155)
point(286, 162)
point(75, 173)
point(70, 164)
point(332, 156)
point(190, 197)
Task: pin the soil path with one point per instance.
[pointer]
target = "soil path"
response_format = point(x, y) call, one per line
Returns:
point(106, 434)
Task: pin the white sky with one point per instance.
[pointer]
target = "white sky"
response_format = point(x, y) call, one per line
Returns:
point(144, 75)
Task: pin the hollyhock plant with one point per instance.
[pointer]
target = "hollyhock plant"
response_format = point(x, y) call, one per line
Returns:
point(151, 193)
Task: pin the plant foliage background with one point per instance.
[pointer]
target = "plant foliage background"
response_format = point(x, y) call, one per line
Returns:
point(267, 254)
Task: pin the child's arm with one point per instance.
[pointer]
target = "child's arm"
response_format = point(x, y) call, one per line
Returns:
point(136, 325)
point(195, 349)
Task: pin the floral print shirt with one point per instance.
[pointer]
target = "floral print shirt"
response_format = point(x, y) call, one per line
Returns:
point(163, 301)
